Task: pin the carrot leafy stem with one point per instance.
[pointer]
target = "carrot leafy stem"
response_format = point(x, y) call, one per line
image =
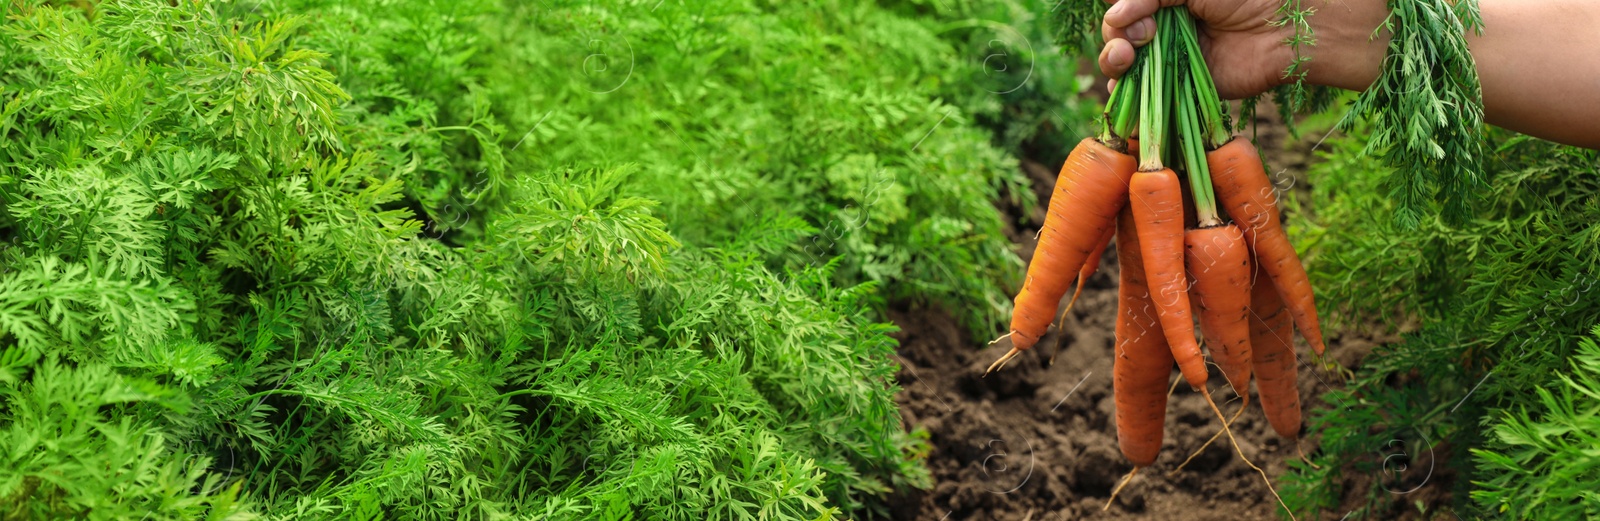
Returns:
point(1199, 119)
point(1153, 106)
point(1122, 110)
point(1426, 109)
point(1210, 108)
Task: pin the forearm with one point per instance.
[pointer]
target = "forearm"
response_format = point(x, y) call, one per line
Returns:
point(1538, 61)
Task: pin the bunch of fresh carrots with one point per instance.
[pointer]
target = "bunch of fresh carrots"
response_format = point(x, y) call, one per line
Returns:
point(1229, 265)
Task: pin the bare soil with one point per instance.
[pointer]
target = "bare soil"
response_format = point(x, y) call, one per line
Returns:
point(1039, 443)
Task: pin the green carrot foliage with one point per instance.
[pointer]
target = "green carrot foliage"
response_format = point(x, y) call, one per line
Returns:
point(1542, 455)
point(1504, 302)
point(1426, 109)
point(470, 259)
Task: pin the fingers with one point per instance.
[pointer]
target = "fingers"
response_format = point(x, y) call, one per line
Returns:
point(1116, 57)
point(1125, 12)
point(1139, 33)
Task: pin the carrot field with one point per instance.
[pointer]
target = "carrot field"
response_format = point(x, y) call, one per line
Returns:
point(752, 259)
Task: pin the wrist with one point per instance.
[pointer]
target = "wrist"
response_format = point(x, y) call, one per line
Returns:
point(1350, 45)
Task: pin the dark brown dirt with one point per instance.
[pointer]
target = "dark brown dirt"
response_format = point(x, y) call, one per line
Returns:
point(1036, 443)
point(1040, 443)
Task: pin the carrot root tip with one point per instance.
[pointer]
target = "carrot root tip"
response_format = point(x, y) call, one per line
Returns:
point(1298, 449)
point(1125, 480)
point(1001, 363)
point(1226, 424)
point(1226, 429)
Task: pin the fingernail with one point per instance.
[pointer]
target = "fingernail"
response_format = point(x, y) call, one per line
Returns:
point(1116, 9)
point(1139, 31)
point(1118, 59)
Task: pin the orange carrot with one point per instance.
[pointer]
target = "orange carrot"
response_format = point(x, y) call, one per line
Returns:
point(1092, 188)
point(1242, 186)
point(1089, 267)
point(1220, 264)
point(1272, 354)
point(1191, 220)
point(1157, 205)
point(1142, 364)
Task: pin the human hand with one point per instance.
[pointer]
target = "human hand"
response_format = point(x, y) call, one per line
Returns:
point(1246, 52)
